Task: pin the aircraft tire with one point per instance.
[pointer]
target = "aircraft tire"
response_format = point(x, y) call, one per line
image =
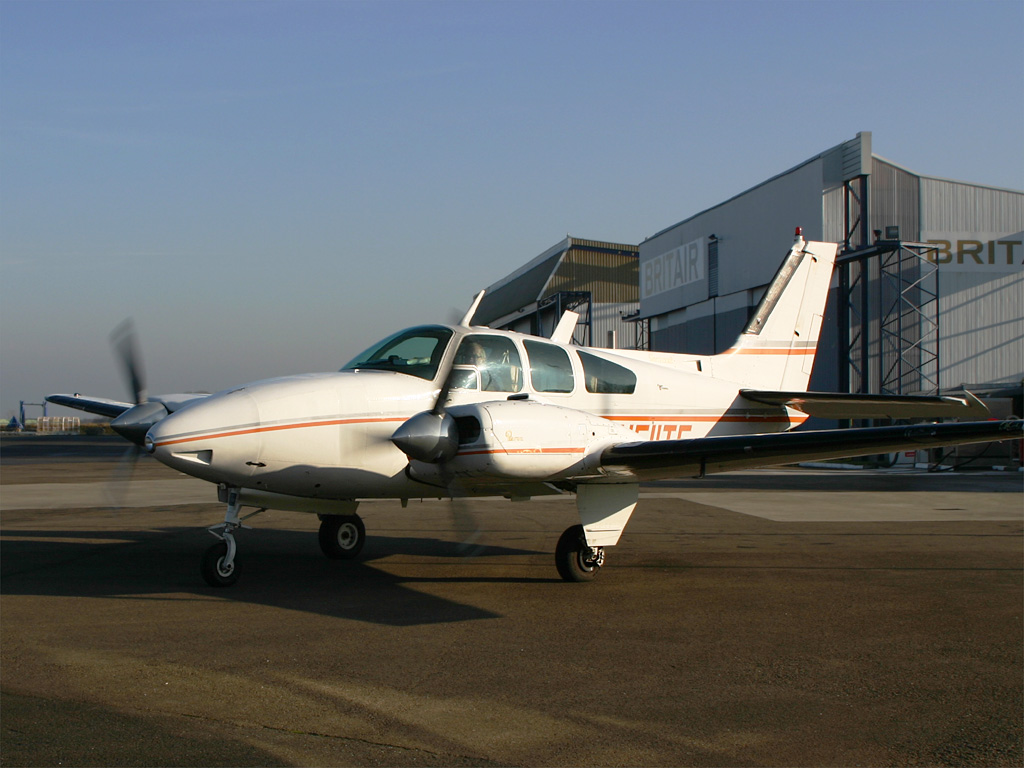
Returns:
point(342, 536)
point(212, 566)
point(571, 556)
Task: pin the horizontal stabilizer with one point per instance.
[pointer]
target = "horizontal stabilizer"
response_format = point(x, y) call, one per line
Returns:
point(829, 405)
point(654, 460)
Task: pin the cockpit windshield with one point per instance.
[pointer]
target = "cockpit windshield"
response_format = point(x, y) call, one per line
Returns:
point(417, 352)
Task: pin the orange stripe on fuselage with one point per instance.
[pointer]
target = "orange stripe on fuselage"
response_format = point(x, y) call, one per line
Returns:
point(279, 428)
point(511, 451)
point(673, 427)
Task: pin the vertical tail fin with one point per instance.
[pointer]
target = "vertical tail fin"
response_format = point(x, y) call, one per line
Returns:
point(777, 348)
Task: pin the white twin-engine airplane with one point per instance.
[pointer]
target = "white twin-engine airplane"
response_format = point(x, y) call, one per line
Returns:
point(442, 411)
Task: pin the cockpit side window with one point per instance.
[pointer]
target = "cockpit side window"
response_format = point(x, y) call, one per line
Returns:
point(416, 352)
point(605, 377)
point(495, 360)
point(550, 368)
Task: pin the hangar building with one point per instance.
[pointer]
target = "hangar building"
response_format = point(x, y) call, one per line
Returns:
point(928, 289)
point(597, 280)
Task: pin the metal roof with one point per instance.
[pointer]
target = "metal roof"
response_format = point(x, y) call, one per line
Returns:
point(529, 284)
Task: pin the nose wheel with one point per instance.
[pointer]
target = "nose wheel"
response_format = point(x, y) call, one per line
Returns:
point(217, 567)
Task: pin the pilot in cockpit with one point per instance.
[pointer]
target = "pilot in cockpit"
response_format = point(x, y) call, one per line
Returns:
point(488, 363)
point(473, 354)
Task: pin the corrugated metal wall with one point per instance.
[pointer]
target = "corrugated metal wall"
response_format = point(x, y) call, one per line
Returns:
point(982, 311)
point(611, 277)
point(956, 206)
point(608, 317)
point(833, 220)
point(982, 333)
point(894, 199)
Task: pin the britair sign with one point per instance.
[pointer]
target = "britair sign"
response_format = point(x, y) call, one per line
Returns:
point(976, 251)
point(673, 269)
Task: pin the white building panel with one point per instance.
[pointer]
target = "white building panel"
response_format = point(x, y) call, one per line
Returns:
point(754, 230)
point(981, 338)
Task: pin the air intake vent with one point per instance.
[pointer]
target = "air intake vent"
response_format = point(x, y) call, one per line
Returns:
point(468, 428)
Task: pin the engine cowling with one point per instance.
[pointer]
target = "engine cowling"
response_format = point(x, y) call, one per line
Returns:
point(523, 440)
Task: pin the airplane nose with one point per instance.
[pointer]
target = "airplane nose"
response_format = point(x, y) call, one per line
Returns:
point(216, 438)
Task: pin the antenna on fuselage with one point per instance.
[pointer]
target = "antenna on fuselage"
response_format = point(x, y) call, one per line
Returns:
point(468, 317)
point(566, 327)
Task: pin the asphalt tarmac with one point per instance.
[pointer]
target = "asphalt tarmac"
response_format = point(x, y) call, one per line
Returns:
point(786, 618)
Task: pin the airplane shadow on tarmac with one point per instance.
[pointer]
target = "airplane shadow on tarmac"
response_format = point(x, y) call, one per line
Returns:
point(283, 569)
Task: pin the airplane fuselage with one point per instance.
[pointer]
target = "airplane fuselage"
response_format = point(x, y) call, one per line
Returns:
point(328, 435)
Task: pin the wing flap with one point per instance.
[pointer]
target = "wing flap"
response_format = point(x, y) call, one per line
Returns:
point(837, 405)
point(660, 460)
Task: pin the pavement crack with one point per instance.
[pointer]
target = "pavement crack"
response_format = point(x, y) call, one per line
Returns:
point(438, 756)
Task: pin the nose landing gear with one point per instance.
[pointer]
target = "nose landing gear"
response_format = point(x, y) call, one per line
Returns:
point(218, 565)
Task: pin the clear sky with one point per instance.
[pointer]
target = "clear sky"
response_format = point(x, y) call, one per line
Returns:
point(268, 187)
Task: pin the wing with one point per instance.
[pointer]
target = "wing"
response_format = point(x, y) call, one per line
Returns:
point(658, 460)
point(101, 406)
point(98, 405)
point(829, 405)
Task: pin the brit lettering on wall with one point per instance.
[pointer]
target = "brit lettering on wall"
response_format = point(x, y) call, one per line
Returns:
point(976, 251)
point(673, 269)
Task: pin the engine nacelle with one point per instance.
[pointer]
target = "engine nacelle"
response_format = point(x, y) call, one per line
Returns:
point(524, 440)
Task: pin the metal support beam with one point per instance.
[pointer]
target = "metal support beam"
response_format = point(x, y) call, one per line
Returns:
point(889, 319)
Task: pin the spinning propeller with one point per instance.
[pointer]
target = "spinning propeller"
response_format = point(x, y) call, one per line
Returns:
point(433, 437)
point(134, 423)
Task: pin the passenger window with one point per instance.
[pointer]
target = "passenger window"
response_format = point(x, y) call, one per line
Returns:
point(550, 369)
point(605, 377)
point(495, 360)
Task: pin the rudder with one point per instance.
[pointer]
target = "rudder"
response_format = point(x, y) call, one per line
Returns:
point(777, 348)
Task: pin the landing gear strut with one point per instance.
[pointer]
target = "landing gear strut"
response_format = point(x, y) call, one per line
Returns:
point(574, 558)
point(218, 565)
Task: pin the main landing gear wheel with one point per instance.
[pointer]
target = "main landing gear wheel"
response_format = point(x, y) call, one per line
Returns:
point(574, 559)
point(342, 536)
point(217, 570)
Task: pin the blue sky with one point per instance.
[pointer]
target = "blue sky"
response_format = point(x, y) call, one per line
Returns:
point(267, 187)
